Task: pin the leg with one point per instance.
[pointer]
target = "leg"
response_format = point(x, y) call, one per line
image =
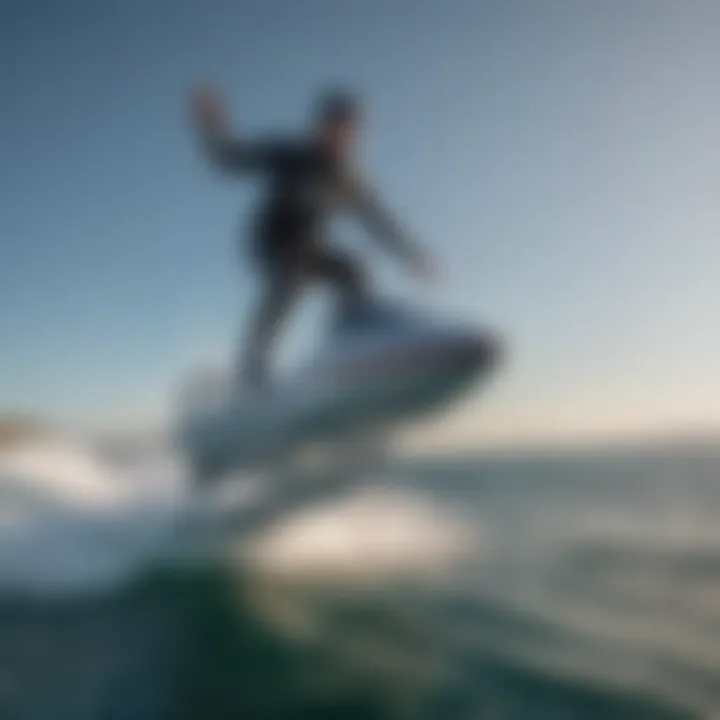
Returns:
point(343, 273)
point(281, 285)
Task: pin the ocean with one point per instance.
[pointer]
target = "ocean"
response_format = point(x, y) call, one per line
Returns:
point(538, 585)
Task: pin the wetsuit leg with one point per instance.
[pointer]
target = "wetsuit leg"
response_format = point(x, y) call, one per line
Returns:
point(341, 271)
point(283, 277)
point(286, 273)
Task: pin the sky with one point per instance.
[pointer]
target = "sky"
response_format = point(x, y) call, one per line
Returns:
point(559, 157)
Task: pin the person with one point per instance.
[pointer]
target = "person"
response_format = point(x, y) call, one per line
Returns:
point(309, 178)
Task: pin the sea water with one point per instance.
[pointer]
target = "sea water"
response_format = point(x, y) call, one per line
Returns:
point(533, 586)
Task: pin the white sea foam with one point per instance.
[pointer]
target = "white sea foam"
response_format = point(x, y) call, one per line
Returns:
point(71, 521)
point(370, 536)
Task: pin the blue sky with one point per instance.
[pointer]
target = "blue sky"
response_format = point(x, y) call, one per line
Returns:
point(560, 157)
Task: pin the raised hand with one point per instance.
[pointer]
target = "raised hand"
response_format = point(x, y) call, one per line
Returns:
point(207, 107)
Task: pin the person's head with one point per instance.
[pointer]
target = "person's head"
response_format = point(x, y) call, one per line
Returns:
point(337, 120)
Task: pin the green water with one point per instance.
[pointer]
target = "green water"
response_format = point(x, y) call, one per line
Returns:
point(187, 643)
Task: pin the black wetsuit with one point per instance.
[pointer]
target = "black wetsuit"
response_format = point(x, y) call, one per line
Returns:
point(305, 186)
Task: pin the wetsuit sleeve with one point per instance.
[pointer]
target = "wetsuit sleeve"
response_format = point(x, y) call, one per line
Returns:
point(240, 155)
point(377, 220)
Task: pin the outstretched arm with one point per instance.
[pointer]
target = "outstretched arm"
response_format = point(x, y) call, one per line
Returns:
point(209, 118)
point(382, 225)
